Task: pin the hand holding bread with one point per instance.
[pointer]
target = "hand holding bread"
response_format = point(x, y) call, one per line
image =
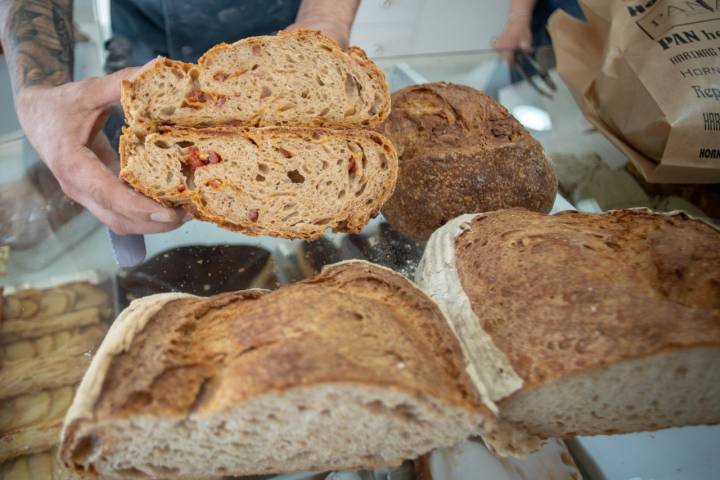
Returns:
point(63, 125)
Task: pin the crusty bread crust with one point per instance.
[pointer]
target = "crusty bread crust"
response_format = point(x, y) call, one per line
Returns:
point(118, 339)
point(324, 46)
point(608, 296)
point(612, 268)
point(353, 217)
point(460, 152)
point(353, 324)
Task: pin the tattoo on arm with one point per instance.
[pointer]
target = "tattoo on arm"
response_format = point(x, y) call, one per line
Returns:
point(37, 37)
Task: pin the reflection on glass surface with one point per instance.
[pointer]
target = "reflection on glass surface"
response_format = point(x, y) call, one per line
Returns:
point(50, 242)
point(532, 118)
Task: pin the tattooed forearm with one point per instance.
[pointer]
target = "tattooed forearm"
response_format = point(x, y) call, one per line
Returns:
point(37, 36)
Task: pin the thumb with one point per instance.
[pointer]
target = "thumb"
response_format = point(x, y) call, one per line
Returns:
point(105, 91)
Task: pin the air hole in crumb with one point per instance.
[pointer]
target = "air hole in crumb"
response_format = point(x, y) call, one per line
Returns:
point(254, 67)
point(265, 92)
point(286, 107)
point(383, 161)
point(167, 110)
point(259, 178)
point(305, 94)
point(184, 144)
point(341, 194)
point(161, 144)
point(86, 448)
point(295, 176)
point(263, 168)
point(319, 81)
point(361, 190)
point(325, 412)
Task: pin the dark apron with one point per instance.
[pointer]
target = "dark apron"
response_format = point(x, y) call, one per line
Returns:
point(185, 29)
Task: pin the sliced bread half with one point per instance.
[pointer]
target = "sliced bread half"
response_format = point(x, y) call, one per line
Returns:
point(354, 368)
point(299, 78)
point(583, 324)
point(279, 181)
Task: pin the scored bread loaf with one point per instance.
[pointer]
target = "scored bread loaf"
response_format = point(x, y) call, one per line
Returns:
point(460, 152)
point(353, 368)
point(279, 181)
point(299, 78)
point(583, 324)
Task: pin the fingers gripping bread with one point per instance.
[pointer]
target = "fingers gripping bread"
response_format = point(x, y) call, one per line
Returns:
point(284, 182)
point(299, 78)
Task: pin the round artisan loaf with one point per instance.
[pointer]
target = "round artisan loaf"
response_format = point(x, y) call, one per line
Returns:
point(460, 152)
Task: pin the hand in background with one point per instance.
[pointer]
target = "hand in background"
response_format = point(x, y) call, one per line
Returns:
point(63, 123)
point(516, 36)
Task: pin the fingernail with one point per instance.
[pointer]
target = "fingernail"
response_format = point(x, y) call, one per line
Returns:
point(165, 216)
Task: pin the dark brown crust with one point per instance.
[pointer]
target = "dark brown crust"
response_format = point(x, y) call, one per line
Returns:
point(460, 152)
point(304, 334)
point(190, 200)
point(604, 287)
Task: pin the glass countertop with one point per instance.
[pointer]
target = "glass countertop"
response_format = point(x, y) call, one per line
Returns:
point(48, 242)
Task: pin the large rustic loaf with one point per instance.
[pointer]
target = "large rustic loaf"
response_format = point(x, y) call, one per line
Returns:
point(583, 324)
point(298, 78)
point(354, 368)
point(279, 181)
point(460, 152)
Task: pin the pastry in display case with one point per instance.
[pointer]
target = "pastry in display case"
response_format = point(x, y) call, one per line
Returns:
point(47, 337)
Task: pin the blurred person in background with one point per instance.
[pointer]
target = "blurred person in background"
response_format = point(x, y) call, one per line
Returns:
point(526, 28)
point(63, 119)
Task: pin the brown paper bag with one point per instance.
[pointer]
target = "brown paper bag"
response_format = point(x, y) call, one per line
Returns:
point(646, 73)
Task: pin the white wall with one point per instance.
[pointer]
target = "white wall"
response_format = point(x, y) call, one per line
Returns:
point(402, 27)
